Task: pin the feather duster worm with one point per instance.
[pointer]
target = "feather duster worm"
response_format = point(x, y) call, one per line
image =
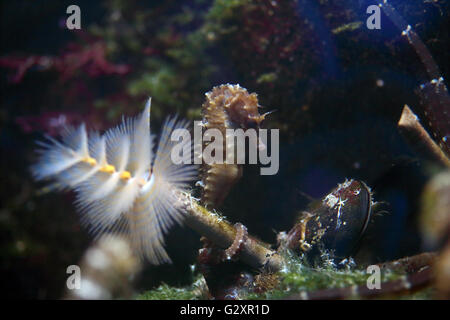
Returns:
point(226, 107)
point(121, 185)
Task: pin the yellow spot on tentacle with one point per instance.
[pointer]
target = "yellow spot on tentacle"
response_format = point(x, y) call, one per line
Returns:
point(108, 168)
point(90, 161)
point(125, 175)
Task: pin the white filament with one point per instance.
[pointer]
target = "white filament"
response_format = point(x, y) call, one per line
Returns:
point(118, 189)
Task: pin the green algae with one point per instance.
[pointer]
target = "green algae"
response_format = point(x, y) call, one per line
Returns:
point(166, 292)
point(347, 27)
point(297, 276)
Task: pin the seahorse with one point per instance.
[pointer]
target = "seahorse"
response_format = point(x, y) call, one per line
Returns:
point(226, 107)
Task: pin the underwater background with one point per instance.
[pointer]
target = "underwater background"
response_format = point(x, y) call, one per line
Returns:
point(338, 89)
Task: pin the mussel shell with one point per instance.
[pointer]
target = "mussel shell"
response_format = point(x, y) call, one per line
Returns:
point(335, 223)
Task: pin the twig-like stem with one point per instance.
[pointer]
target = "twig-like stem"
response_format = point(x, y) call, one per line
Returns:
point(419, 139)
point(412, 283)
point(410, 264)
point(418, 270)
point(222, 233)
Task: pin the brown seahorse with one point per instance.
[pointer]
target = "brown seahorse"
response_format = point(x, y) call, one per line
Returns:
point(226, 107)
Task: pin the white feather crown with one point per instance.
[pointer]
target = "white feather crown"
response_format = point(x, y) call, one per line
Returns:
point(121, 186)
